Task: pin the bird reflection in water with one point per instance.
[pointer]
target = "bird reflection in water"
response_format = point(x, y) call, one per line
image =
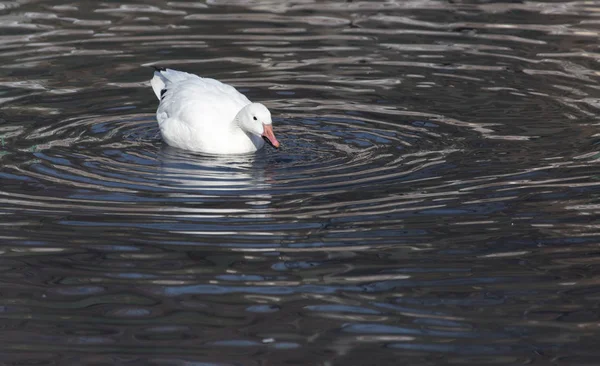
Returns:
point(212, 185)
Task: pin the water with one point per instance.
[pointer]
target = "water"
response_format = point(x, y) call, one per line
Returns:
point(435, 200)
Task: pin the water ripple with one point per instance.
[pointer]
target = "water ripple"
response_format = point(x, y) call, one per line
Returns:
point(434, 198)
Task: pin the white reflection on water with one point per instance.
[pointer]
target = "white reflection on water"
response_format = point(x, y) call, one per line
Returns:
point(193, 170)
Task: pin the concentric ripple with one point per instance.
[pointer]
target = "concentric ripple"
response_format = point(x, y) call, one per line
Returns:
point(99, 155)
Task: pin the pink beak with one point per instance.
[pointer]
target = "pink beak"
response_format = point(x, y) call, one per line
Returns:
point(269, 136)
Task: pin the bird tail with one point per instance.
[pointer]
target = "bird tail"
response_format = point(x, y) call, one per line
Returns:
point(164, 77)
point(159, 81)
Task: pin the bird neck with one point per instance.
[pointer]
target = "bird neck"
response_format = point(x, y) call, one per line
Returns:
point(238, 122)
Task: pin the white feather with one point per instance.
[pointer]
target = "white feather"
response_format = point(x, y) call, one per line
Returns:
point(201, 114)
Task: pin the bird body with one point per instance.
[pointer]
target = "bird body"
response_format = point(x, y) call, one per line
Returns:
point(206, 115)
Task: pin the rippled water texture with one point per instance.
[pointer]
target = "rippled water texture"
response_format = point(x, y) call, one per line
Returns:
point(435, 201)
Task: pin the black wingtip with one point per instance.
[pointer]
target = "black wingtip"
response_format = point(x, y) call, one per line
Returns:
point(159, 68)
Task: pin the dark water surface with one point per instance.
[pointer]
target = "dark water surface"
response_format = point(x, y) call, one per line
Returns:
point(436, 201)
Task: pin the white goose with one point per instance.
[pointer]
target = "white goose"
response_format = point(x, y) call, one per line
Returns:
point(205, 115)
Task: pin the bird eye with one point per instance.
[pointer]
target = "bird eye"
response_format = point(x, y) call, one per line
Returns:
point(255, 118)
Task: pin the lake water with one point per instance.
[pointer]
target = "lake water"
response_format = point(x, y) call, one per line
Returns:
point(434, 202)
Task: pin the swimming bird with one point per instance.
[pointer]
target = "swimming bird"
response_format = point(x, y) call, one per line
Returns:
point(206, 115)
